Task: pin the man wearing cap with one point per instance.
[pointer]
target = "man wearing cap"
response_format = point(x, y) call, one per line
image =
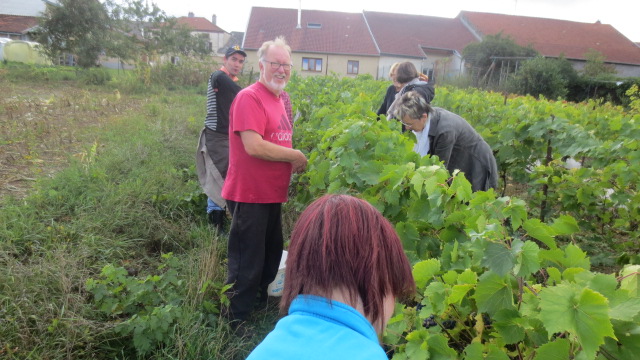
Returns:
point(213, 150)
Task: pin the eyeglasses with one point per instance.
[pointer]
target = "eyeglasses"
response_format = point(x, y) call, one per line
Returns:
point(276, 65)
point(404, 123)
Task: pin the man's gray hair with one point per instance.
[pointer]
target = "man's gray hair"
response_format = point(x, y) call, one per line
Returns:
point(279, 41)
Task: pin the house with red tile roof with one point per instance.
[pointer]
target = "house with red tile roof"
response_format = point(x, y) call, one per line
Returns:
point(433, 44)
point(216, 37)
point(555, 38)
point(17, 27)
point(18, 17)
point(323, 42)
point(369, 43)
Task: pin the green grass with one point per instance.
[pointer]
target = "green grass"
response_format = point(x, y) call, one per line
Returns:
point(130, 196)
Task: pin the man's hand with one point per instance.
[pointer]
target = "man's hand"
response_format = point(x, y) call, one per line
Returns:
point(257, 147)
point(299, 163)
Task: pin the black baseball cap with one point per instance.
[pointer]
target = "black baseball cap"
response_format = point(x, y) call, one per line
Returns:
point(235, 50)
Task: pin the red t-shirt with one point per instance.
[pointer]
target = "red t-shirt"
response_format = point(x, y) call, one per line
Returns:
point(249, 179)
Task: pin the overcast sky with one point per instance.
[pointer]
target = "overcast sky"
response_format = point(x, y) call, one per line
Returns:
point(233, 15)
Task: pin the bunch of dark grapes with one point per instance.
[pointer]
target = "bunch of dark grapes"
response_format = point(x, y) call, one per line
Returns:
point(449, 324)
point(430, 322)
point(486, 320)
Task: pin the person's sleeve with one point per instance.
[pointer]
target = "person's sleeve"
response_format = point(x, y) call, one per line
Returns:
point(383, 108)
point(443, 146)
point(428, 92)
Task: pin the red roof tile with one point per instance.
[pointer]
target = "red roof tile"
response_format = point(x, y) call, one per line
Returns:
point(17, 24)
point(553, 37)
point(401, 34)
point(199, 24)
point(339, 32)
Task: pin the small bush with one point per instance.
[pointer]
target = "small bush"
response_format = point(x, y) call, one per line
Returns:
point(542, 76)
point(95, 76)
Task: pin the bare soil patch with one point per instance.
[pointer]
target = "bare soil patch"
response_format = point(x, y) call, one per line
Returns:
point(43, 126)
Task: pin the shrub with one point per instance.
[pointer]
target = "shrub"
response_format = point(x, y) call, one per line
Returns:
point(94, 76)
point(542, 76)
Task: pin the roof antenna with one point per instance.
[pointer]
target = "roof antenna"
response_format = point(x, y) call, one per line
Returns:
point(299, 15)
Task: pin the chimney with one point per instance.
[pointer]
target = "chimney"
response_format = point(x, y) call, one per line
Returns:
point(213, 19)
point(191, 14)
point(299, 15)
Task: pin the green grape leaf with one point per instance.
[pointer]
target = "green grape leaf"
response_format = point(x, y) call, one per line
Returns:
point(468, 276)
point(396, 326)
point(493, 293)
point(408, 235)
point(541, 231)
point(434, 175)
point(369, 172)
point(604, 284)
point(498, 258)
point(517, 211)
point(554, 274)
point(458, 292)
point(418, 181)
point(626, 310)
point(631, 279)
point(417, 346)
point(496, 353)
point(565, 225)
point(581, 311)
point(571, 273)
point(555, 350)
point(450, 277)
point(474, 351)
point(424, 271)
point(527, 260)
point(462, 187)
point(439, 348)
point(508, 322)
point(436, 293)
point(575, 257)
point(394, 173)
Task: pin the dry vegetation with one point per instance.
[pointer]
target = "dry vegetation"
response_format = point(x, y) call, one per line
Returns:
point(40, 127)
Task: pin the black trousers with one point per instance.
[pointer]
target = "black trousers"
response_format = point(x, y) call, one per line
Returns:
point(254, 252)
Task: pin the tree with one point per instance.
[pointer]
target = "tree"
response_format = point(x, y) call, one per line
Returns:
point(544, 76)
point(595, 66)
point(78, 27)
point(129, 30)
point(484, 57)
point(143, 31)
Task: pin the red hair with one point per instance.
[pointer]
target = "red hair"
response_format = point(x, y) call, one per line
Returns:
point(342, 242)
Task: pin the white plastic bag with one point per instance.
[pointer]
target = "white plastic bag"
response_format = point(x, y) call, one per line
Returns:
point(275, 288)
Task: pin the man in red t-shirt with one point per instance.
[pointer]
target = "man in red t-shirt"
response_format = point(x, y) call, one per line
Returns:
point(261, 161)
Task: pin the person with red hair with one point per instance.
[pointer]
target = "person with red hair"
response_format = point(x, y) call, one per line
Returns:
point(344, 271)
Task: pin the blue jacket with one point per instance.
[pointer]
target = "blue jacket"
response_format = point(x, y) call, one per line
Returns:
point(317, 329)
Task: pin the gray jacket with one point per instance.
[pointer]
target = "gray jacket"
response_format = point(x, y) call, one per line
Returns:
point(456, 143)
point(210, 178)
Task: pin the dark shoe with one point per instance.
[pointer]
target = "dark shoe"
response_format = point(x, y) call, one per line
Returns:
point(218, 219)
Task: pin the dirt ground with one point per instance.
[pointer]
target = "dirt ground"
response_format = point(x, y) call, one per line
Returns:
point(42, 126)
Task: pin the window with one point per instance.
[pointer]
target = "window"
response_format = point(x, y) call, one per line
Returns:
point(352, 66)
point(314, 26)
point(310, 64)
